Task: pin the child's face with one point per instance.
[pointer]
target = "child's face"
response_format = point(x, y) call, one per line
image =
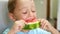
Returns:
point(25, 9)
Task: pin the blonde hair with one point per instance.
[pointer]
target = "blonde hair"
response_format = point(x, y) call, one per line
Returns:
point(11, 5)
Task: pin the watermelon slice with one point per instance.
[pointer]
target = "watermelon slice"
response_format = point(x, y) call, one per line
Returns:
point(31, 24)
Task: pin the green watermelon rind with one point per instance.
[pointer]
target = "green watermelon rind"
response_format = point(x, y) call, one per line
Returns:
point(31, 26)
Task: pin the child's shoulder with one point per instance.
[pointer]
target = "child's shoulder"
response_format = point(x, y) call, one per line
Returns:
point(6, 31)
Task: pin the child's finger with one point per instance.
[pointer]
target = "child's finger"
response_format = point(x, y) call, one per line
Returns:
point(20, 23)
point(43, 23)
point(45, 26)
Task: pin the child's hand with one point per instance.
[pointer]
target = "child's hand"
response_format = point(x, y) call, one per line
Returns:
point(45, 25)
point(18, 25)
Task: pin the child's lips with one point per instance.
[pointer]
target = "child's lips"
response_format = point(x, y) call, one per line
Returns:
point(30, 20)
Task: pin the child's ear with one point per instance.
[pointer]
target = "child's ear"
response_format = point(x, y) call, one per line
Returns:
point(11, 16)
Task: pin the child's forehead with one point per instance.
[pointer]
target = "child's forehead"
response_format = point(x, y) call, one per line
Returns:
point(24, 4)
point(24, 1)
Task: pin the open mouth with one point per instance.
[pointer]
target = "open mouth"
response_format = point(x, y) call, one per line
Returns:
point(28, 20)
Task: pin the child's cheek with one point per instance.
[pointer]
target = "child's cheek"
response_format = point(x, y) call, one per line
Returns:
point(24, 17)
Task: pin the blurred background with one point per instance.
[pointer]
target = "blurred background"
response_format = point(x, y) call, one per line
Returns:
point(47, 9)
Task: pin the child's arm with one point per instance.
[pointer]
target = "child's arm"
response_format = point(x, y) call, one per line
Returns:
point(47, 26)
point(54, 31)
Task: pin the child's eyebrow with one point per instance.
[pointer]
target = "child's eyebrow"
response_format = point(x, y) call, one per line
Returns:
point(21, 8)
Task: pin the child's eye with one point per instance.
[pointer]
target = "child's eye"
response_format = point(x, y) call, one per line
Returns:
point(25, 12)
point(33, 11)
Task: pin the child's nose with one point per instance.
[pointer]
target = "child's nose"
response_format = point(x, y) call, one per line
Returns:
point(30, 14)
